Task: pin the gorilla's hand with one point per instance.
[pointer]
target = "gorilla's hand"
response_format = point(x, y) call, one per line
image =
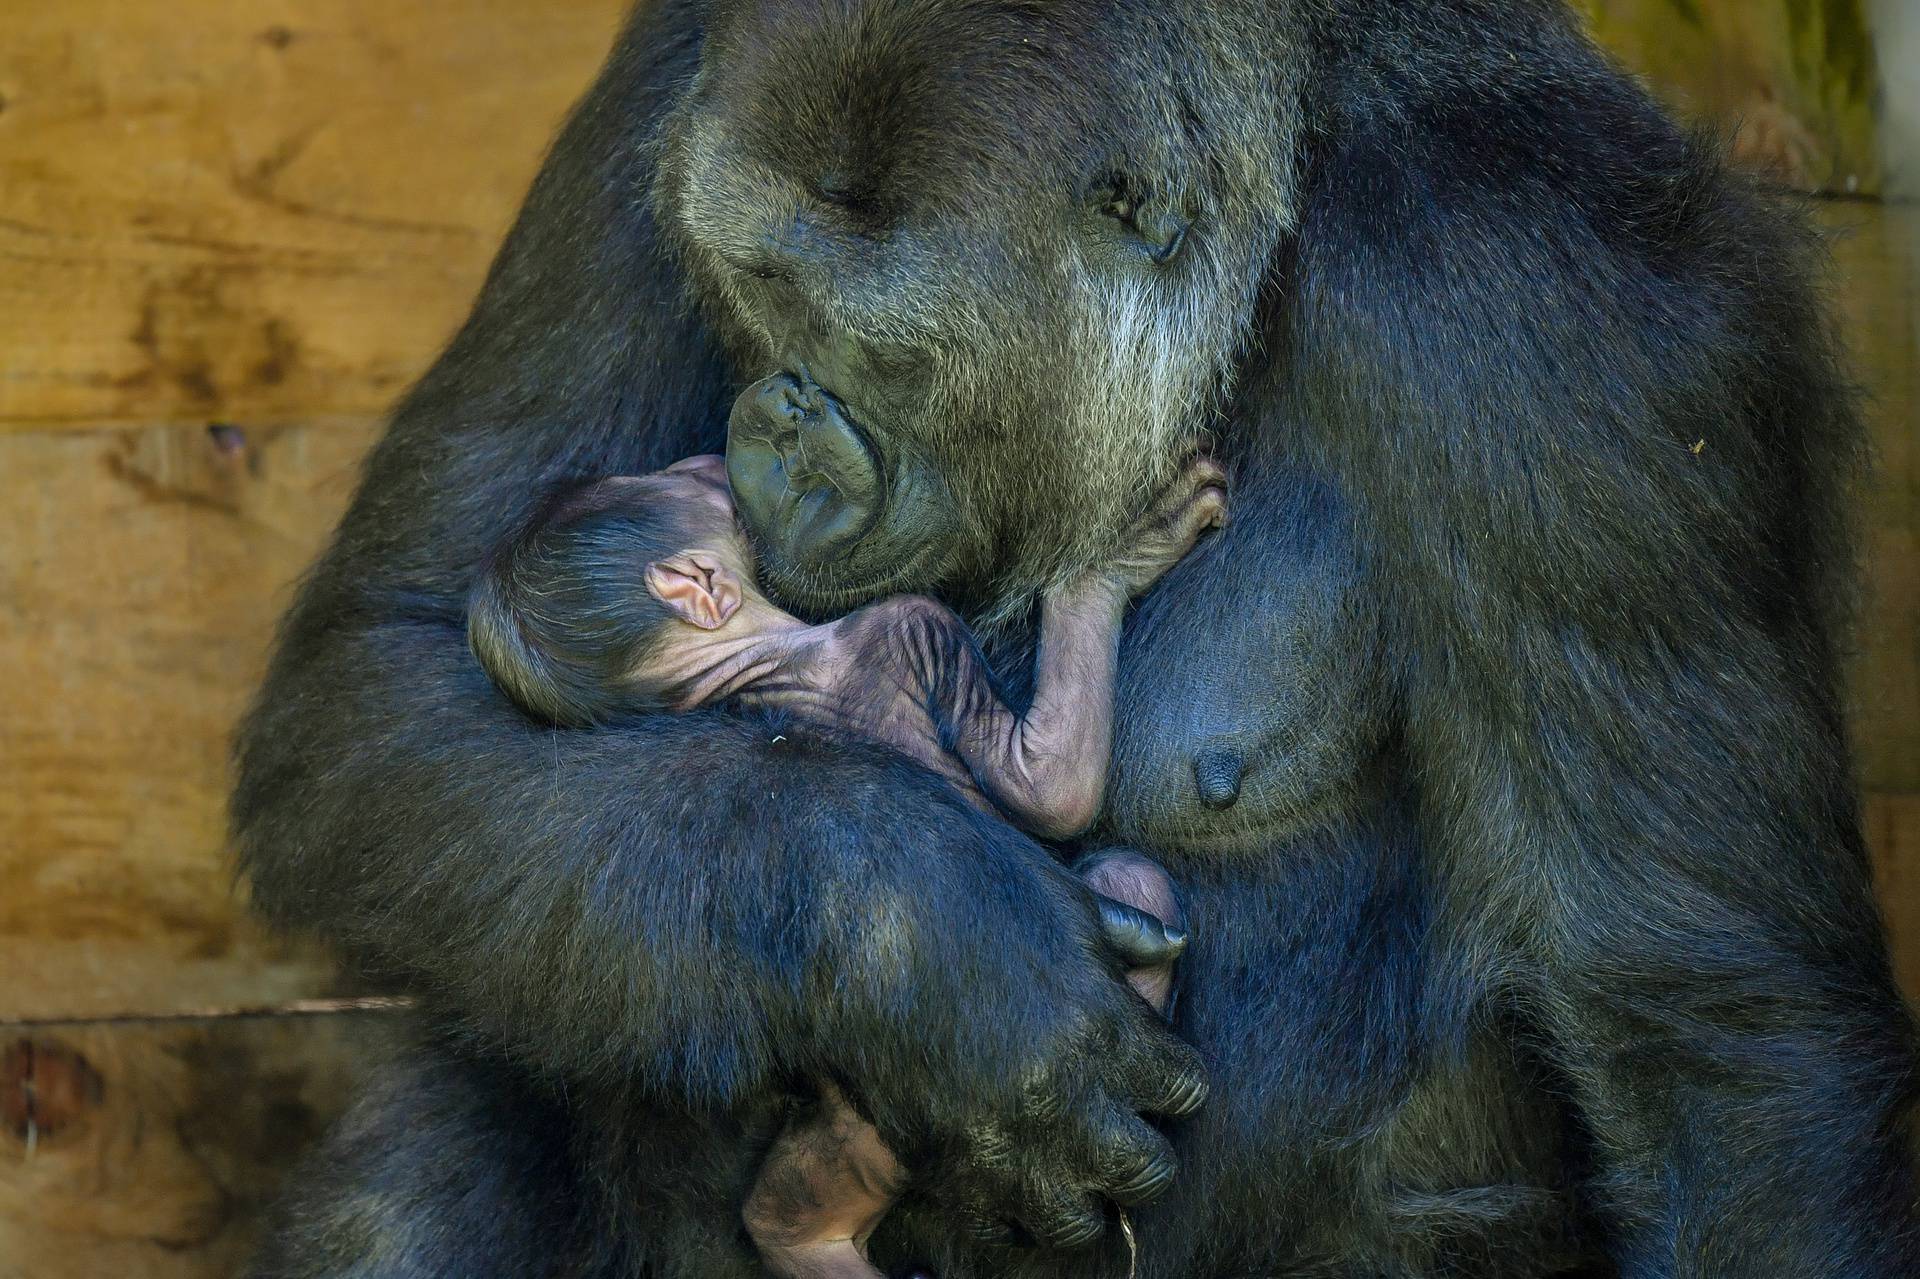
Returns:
point(1072, 1134)
point(1037, 1144)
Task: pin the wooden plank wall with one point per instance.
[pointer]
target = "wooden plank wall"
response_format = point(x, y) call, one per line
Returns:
point(231, 231)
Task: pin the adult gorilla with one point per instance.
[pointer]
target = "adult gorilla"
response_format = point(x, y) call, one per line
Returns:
point(1497, 743)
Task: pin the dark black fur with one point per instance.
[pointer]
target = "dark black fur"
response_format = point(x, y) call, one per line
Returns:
point(1541, 936)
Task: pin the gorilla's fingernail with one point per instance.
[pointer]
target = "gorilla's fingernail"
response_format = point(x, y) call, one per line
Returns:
point(1176, 936)
point(1150, 1180)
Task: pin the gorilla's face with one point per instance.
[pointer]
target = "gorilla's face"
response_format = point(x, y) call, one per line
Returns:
point(991, 289)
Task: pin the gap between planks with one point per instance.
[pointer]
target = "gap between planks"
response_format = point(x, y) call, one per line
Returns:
point(287, 1008)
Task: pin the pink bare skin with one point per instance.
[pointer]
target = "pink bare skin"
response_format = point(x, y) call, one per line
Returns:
point(896, 672)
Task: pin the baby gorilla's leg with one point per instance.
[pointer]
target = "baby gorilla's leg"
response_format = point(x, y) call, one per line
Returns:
point(826, 1184)
point(1140, 882)
point(829, 1179)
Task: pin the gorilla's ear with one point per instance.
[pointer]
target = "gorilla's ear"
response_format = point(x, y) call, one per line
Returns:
point(697, 586)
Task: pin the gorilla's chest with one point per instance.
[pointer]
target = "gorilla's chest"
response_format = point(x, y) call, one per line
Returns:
point(1248, 701)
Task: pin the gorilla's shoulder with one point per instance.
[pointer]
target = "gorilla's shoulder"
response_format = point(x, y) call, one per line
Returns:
point(1439, 124)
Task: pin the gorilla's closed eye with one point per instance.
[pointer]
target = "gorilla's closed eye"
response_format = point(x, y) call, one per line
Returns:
point(1152, 223)
point(1120, 206)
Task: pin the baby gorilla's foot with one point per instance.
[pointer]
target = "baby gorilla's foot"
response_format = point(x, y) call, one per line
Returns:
point(823, 1188)
point(835, 1260)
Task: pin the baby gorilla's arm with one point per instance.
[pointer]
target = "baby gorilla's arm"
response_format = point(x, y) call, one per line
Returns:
point(829, 1179)
point(1048, 768)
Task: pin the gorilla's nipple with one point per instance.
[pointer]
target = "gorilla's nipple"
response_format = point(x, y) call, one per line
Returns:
point(1217, 772)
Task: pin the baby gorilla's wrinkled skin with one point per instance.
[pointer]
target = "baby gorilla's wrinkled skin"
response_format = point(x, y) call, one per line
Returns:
point(903, 672)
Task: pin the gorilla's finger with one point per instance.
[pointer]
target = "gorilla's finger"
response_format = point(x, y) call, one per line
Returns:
point(1139, 939)
point(990, 1230)
point(981, 1198)
point(1059, 1216)
point(1137, 1163)
point(984, 1226)
point(1163, 1075)
point(990, 1149)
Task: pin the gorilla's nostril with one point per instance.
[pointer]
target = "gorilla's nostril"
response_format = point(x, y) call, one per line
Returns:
point(797, 401)
point(1217, 774)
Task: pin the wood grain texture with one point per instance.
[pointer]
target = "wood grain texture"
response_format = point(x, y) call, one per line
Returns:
point(150, 1152)
point(260, 209)
point(141, 575)
point(1876, 256)
point(1893, 829)
point(1795, 83)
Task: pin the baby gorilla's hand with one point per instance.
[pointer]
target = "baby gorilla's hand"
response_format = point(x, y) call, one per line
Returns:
point(1195, 502)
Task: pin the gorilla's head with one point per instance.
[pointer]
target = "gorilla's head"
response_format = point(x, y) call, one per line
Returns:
point(993, 264)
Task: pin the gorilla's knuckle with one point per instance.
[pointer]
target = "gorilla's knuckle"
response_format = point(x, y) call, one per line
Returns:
point(1072, 1232)
point(1170, 1077)
point(1046, 1100)
point(1145, 1178)
point(988, 1146)
point(1063, 1215)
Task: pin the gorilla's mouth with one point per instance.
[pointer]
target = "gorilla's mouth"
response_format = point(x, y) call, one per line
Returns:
point(837, 517)
point(819, 595)
point(806, 479)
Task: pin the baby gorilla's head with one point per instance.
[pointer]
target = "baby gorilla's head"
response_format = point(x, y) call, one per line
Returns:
point(569, 618)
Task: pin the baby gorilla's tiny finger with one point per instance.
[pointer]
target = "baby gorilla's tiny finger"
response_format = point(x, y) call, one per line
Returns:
point(1208, 509)
point(1164, 510)
point(1204, 472)
point(1137, 937)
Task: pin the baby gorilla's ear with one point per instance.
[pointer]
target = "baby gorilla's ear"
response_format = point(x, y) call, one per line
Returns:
point(696, 586)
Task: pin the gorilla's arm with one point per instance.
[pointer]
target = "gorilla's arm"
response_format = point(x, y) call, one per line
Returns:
point(1575, 377)
point(682, 905)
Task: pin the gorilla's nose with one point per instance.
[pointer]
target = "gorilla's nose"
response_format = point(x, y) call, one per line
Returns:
point(802, 475)
point(1217, 773)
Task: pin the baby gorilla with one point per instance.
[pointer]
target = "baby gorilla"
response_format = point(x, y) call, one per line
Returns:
point(636, 594)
